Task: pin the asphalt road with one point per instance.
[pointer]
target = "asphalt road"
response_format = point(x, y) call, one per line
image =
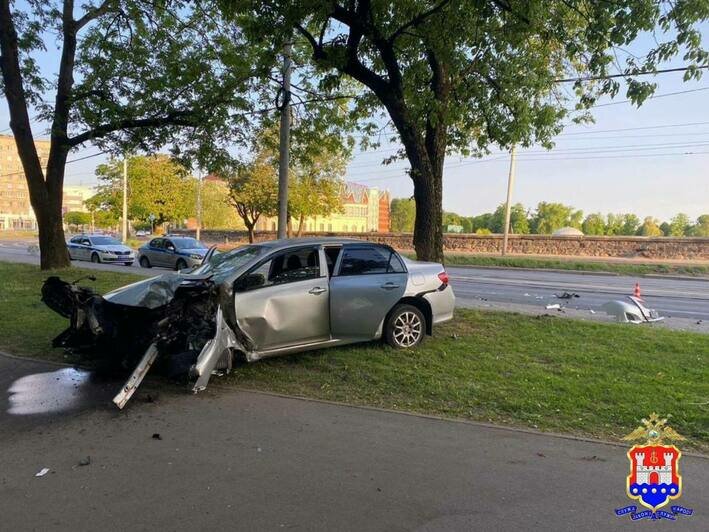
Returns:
point(236, 460)
point(685, 299)
point(672, 297)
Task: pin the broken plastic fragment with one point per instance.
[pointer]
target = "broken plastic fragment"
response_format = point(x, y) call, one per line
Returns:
point(42, 472)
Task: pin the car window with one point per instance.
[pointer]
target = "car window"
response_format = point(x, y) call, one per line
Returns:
point(168, 244)
point(104, 241)
point(85, 242)
point(187, 243)
point(224, 264)
point(156, 243)
point(75, 240)
point(285, 267)
point(366, 260)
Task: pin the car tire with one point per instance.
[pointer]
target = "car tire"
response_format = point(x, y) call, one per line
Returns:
point(95, 258)
point(180, 265)
point(144, 262)
point(405, 327)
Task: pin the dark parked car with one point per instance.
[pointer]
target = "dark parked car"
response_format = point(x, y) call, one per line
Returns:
point(177, 252)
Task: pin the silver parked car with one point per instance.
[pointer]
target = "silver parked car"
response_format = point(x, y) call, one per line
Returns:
point(100, 248)
point(176, 252)
point(257, 301)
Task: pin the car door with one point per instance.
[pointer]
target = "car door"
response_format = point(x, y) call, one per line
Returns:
point(74, 246)
point(154, 252)
point(169, 253)
point(84, 249)
point(283, 300)
point(369, 279)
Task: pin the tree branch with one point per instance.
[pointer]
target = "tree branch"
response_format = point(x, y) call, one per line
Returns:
point(417, 20)
point(94, 13)
point(175, 118)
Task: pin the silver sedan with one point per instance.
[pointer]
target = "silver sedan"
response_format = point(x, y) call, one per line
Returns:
point(259, 301)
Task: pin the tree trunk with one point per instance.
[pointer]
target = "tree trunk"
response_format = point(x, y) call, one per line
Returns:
point(252, 236)
point(300, 225)
point(53, 252)
point(428, 231)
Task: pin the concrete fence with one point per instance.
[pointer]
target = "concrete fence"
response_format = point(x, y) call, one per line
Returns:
point(656, 248)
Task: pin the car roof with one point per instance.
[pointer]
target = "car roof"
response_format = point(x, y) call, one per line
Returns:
point(292, 242)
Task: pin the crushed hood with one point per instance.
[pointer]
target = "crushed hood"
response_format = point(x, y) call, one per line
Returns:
point(151, 293)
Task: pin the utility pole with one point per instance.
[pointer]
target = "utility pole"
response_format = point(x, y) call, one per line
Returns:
point(283, 159)
point(199, 204)
point(125, 198)
point(508, 205)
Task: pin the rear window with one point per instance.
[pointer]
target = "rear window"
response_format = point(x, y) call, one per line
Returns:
point(187, 243)
point(369, 260)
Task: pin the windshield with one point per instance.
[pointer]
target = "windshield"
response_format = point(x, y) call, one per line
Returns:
point(104, 241)
point(221, 264)
point(187, 243)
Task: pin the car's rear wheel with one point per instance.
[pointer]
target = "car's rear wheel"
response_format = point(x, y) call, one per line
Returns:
point(180, 265)
point(405, 327)
point(95, 258)
point(144, 262)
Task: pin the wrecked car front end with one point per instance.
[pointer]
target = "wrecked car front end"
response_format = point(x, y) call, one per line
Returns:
point(174, 321)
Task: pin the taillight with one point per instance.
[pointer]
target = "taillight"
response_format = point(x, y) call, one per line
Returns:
point(443, 276)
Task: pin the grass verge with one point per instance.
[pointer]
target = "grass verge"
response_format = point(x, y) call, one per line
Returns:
point(622, 268)
point(562, 375)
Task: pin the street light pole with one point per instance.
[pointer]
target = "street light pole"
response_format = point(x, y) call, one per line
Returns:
point(199, 204)
point(125, 199)
point(508, 205)
point(283, 159)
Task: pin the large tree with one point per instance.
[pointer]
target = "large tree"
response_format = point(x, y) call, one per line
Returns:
point(159, 189)
point(130, 74)
point(462, 75)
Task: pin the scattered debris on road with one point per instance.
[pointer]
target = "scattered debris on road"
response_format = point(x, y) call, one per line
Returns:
point(42, 472)
point(553, 306)
point(85, 461)
point(631, 310)
point(156, 436)
point(567, 295)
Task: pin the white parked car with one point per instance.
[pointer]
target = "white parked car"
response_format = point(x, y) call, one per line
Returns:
point(100, 248)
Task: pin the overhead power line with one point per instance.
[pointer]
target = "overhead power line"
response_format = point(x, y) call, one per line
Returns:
point(642, 73)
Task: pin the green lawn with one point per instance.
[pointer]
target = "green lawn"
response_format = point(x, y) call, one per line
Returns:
point(549, 373)
point(577, 265)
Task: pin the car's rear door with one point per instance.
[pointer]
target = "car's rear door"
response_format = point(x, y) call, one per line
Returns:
point(155, 252)
point(73, 246)
point(289, 303)
point(83, 252)
point(369, 279)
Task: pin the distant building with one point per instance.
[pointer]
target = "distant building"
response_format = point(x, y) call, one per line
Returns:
point(15, 208)
point(74, 198)
point(364, 210)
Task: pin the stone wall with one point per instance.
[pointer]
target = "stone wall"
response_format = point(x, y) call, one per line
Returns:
point(656, 248)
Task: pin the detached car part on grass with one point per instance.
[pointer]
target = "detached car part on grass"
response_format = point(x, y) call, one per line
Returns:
point(631, 310)
point(257, 301)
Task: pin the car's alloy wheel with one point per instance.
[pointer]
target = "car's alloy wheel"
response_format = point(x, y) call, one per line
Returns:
point(144, 262)
point(180, 265)
point(406, 327)
point(95, 258)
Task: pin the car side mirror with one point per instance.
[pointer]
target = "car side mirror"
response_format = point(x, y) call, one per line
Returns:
point(250, 281)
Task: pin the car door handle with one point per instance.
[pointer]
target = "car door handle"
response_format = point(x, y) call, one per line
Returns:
point(389, 286)
point(317, 290)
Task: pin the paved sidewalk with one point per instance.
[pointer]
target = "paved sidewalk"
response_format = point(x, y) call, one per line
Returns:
point(235, 460)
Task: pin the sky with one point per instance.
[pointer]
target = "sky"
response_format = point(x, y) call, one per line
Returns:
point(657, 171)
